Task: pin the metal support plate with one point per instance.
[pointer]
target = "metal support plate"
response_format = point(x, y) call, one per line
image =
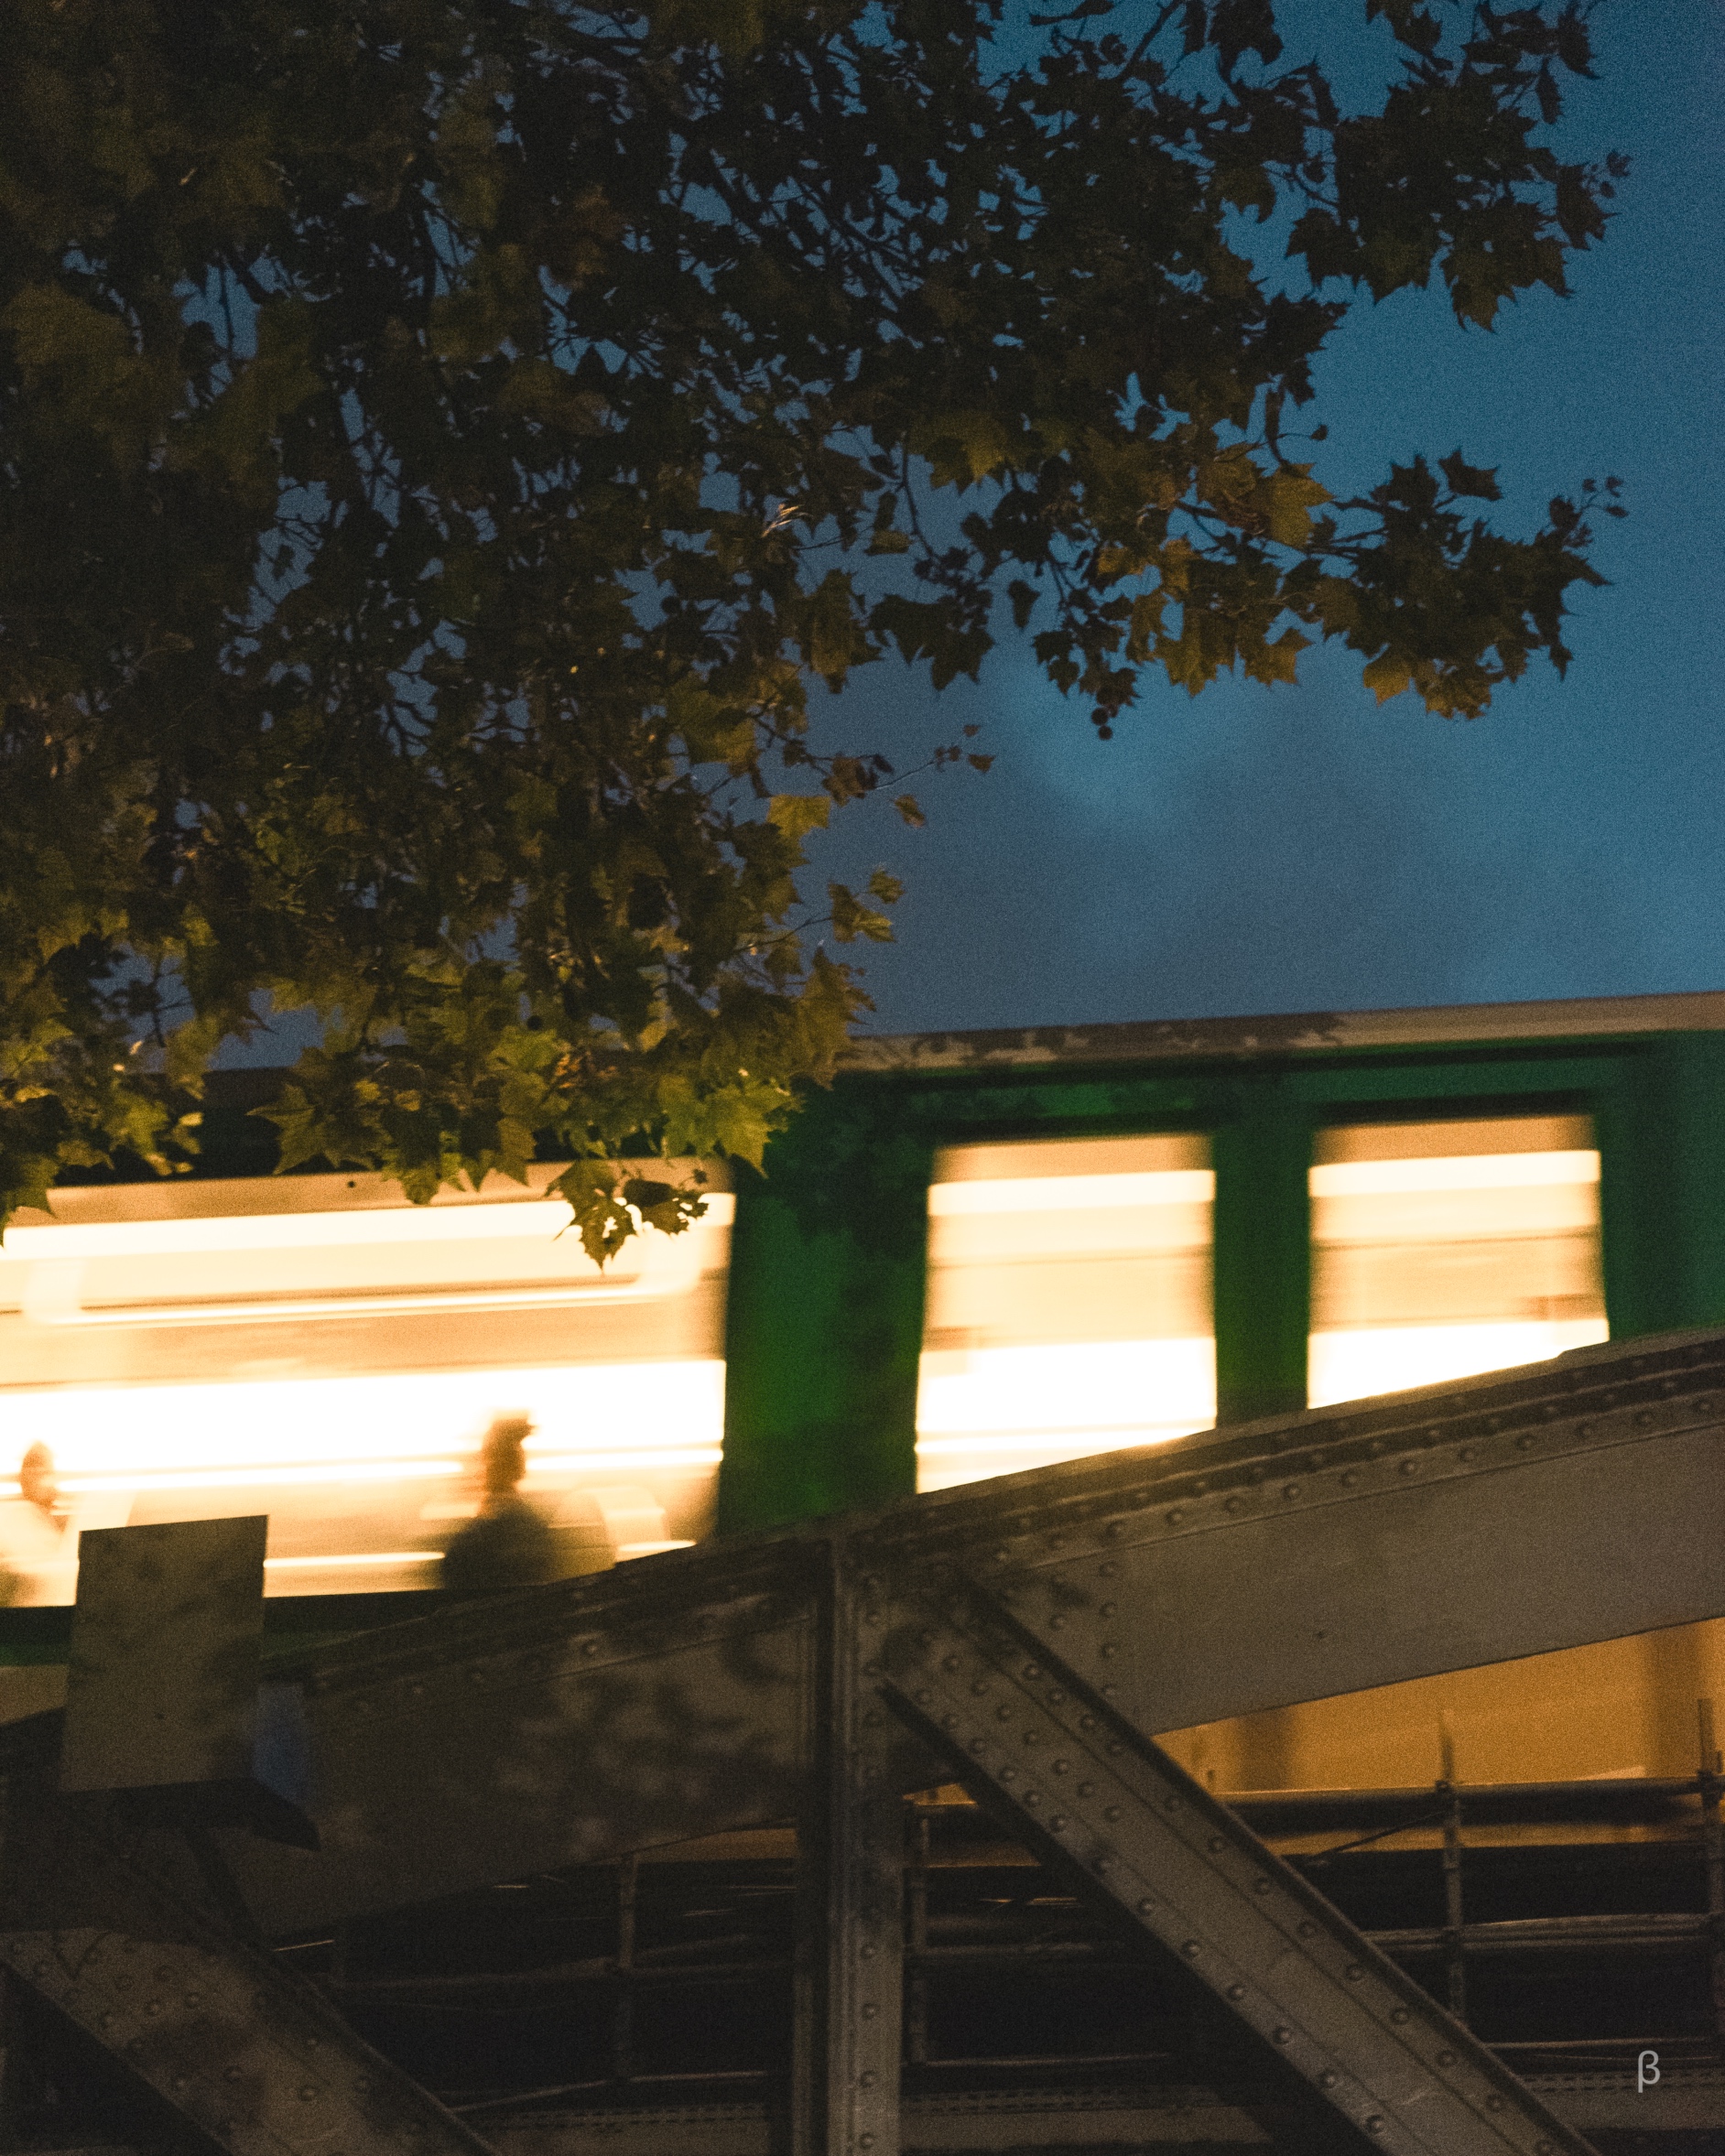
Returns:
point(1080, 1786)
point(162, 1690)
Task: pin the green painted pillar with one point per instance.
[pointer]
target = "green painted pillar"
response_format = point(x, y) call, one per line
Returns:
point(1262, 1153)
point(1661, 1130)
point(823, 1331)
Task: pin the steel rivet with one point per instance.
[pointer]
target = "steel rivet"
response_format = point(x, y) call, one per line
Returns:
point(1112, 1747)
point(1114, 1531)
point(1305, 1927)
point(1218, 1842)
point(1329, 2078)
point(869, 2012)
point(1354, 1972)
point(1056, 1820)
point(1031, 1797)
point(1145, 1905)
point(1191, 1950)
point(1284, 2035)
point(1495, 2102)
point(181, 2081)
point(950, 1664)
point(591, 1648)
point(1374, 2124)
point(1176, 1516)
point(153, 2006)
point(1643, 1421)
point(1101, 1864)
point(1410, 1468)
point(1232, 1504)
point(1110, 1648)
point(980, 1687)
point(1087, 1721)
point(1236, 1991)
point(1056, 1623)
point(1033, 1670)
point(1059, 1766)
point(1107, 1609)
point(1291, 1489)
point(1349, 1479)
point(866, 2079)
point(232, 2073)
point(1584, 1429)
point(865, 2140)
point(1107, 1571)
point(949, 1721)
point(1111, 1811)
point(1524, 1443)
point(1467, 1453)
point(1056, 1698)
point(1086, 1789)
point(1009, 1773)
point(1003, 1714)
point(977, 1744)
point(1398, 2014)
point(1260, 1886)
point(307, 2093)
point(1170, 1803)
point(1446, 2058)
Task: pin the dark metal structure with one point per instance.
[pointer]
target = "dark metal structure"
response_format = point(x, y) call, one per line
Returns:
point(1025, 1637)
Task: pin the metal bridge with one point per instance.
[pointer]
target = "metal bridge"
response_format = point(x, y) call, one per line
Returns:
point(1026, 1637)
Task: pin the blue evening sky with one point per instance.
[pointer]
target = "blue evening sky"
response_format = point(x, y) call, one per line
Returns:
point(1293, 850)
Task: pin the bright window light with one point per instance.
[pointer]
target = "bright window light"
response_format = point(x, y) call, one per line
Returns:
point(1444, 1250)
point(335, 1366)
point(1069, 1304)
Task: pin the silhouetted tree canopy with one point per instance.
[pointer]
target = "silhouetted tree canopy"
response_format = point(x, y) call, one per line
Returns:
point(440, 440)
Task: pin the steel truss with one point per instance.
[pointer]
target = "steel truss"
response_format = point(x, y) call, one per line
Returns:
point(1028, 1636)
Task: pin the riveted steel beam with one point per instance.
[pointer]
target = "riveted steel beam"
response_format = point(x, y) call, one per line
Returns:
point(1084, 1788)
point(1571, 1501)
point(254, 2060)
point(1478, 1522)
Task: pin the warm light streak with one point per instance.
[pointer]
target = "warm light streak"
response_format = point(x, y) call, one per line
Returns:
point(42, 1305)
point(518, 1218)
point(400, 1425)
point(1467, 1171)
point(1050, 1193)
point(1352, 1365)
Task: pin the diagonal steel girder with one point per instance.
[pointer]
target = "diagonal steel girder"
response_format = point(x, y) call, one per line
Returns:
point(1479, 1521)
point(1095, 1797)
point(106, 1921)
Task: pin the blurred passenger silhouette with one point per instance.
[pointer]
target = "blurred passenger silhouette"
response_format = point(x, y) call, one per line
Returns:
point(509, 1542)
point(38, 1552)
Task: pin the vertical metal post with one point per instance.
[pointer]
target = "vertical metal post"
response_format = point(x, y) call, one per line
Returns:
point(1456, 1970)
point(917, 1986)
point(1712, 1786)
point(622, 2008)
point(849, 1979)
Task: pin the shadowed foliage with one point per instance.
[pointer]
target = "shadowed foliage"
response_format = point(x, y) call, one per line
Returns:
point(440, 440)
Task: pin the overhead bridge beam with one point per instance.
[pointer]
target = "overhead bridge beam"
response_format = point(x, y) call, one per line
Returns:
point(1479, 1521)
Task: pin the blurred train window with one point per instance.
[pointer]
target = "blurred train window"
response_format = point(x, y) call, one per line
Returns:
point(1443, 1249)
point(1069, 1303)
point(314, 1347)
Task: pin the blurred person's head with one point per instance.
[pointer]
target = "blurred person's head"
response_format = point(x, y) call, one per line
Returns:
point(502, 1456)
point(37, 1479)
